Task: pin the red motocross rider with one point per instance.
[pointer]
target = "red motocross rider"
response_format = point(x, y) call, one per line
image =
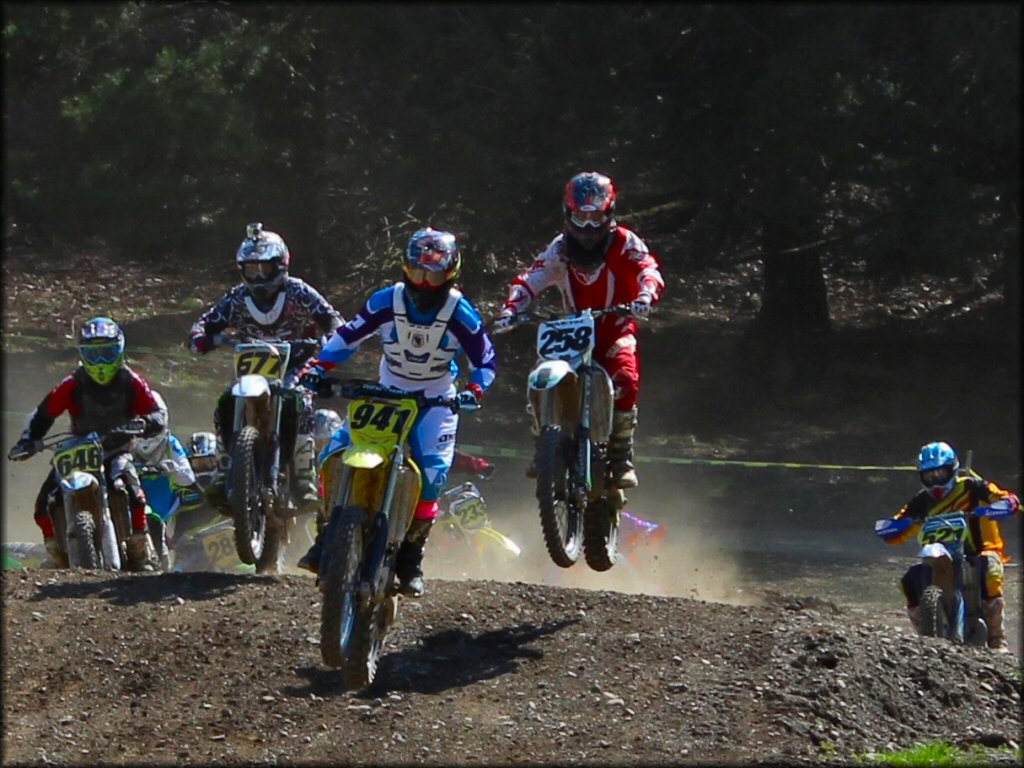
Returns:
point(100, 396)
point(595, 263)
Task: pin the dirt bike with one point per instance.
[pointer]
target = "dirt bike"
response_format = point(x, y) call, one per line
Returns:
point(209, 547)
point(371, 488)
point(259, 480)
point(463, 517)
point(951, 602)
point(571, 402)
point(93, 525)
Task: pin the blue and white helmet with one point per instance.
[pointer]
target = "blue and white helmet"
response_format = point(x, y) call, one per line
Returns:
point(937, 465)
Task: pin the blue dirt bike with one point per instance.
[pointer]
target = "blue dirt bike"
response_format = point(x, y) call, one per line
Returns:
point(951, 603)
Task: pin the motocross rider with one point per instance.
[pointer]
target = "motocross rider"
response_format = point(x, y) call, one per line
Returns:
point(175, 485)
point(424, 322)
point(945, 491)
point(100, 396)
point(595, 264)
point(269, 304)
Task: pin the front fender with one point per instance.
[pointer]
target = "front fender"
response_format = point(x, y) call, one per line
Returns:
point(934, 550)
point(250, 385)
point(549, 374)
point(77, 481)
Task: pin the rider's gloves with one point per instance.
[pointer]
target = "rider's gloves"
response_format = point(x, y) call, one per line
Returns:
point(312, 377)
point(641, 306)
point(22, 450)
point(505, 321)
point(471, 396)
point(200, 343)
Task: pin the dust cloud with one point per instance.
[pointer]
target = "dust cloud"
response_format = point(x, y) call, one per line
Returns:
point(679, 564)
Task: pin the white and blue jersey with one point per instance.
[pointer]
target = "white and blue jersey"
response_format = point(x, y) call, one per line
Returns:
point(165, 484)
point(420, 355)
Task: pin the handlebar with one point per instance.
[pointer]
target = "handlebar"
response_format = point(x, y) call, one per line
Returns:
point(351, 389)
point(523, 318)
point(133, 428)
point(225, 339)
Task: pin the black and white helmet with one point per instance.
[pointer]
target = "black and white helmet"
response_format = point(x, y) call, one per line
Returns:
point(263, 260)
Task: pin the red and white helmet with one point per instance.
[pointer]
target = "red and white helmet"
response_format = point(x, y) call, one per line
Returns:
point(589, 207)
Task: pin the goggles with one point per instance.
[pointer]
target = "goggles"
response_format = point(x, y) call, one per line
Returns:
point(420, 276)
point(584, 219)
point(932, 478)
point(100, 354)
point(253, 269)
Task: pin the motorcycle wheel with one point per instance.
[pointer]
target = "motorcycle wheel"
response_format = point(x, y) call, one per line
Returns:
point(561, 519)
point(601, 534)
point(352, 627)
point(247, 495)
point(85, 542)
point(934, 619)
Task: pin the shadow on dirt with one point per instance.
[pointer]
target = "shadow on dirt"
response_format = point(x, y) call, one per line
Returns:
point(449, 659)
point(154, 588)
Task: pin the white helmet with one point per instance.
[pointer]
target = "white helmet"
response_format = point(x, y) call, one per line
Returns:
point(325, 423)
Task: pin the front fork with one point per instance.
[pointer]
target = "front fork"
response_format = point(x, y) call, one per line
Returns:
point(948, 575)
point(85, 492)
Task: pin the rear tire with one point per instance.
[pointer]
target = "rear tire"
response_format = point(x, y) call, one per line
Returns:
point(560, 519)
point(934, 620)
point(601, 534)
point(247, 459)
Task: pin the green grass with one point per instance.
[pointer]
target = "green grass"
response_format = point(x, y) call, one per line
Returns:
point(940, 753)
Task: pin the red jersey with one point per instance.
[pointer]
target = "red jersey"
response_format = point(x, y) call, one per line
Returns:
point(629, 270)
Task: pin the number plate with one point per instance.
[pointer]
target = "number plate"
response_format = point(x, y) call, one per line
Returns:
point(220, 548)
point(83, 455)
point(383, 423)
point(565, 338)
point(269, 360)
point(941, 529)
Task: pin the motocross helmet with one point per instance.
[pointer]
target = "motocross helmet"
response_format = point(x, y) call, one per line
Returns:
point(202, 456)
point(263, 260)
point(937, 465)
point(152, 450)
point(325, 423)
point(431, 264)
point(101, 348)
point(589, 208)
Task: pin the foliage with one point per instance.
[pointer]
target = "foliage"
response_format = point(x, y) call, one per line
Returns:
point(879, 135)
point(937, 753)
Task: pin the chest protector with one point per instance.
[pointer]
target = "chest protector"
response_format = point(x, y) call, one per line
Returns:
point(416, 352)
point(102, 408)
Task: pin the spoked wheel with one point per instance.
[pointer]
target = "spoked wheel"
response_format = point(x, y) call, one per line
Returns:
point(247, 459)
point(352, 626)
point(85, 541)
point(934, 619)
point(561, 519)
point(601, 534)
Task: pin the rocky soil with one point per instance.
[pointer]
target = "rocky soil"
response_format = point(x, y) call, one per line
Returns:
point(208, 668)
point(769, 631)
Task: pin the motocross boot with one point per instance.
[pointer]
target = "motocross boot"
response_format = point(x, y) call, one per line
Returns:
point(305, 474)
point(409, 559)
point(158, 535)
point(216, 492)
point(994, 610)
point(914, 613)
point(620, 449)
point(59, 558)
point(311, 560)
point(141, 556)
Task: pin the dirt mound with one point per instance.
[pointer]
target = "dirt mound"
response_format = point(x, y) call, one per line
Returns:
point(216, 668)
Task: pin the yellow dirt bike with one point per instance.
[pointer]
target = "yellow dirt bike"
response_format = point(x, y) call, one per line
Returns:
point(463, 518)
point(371, 488)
